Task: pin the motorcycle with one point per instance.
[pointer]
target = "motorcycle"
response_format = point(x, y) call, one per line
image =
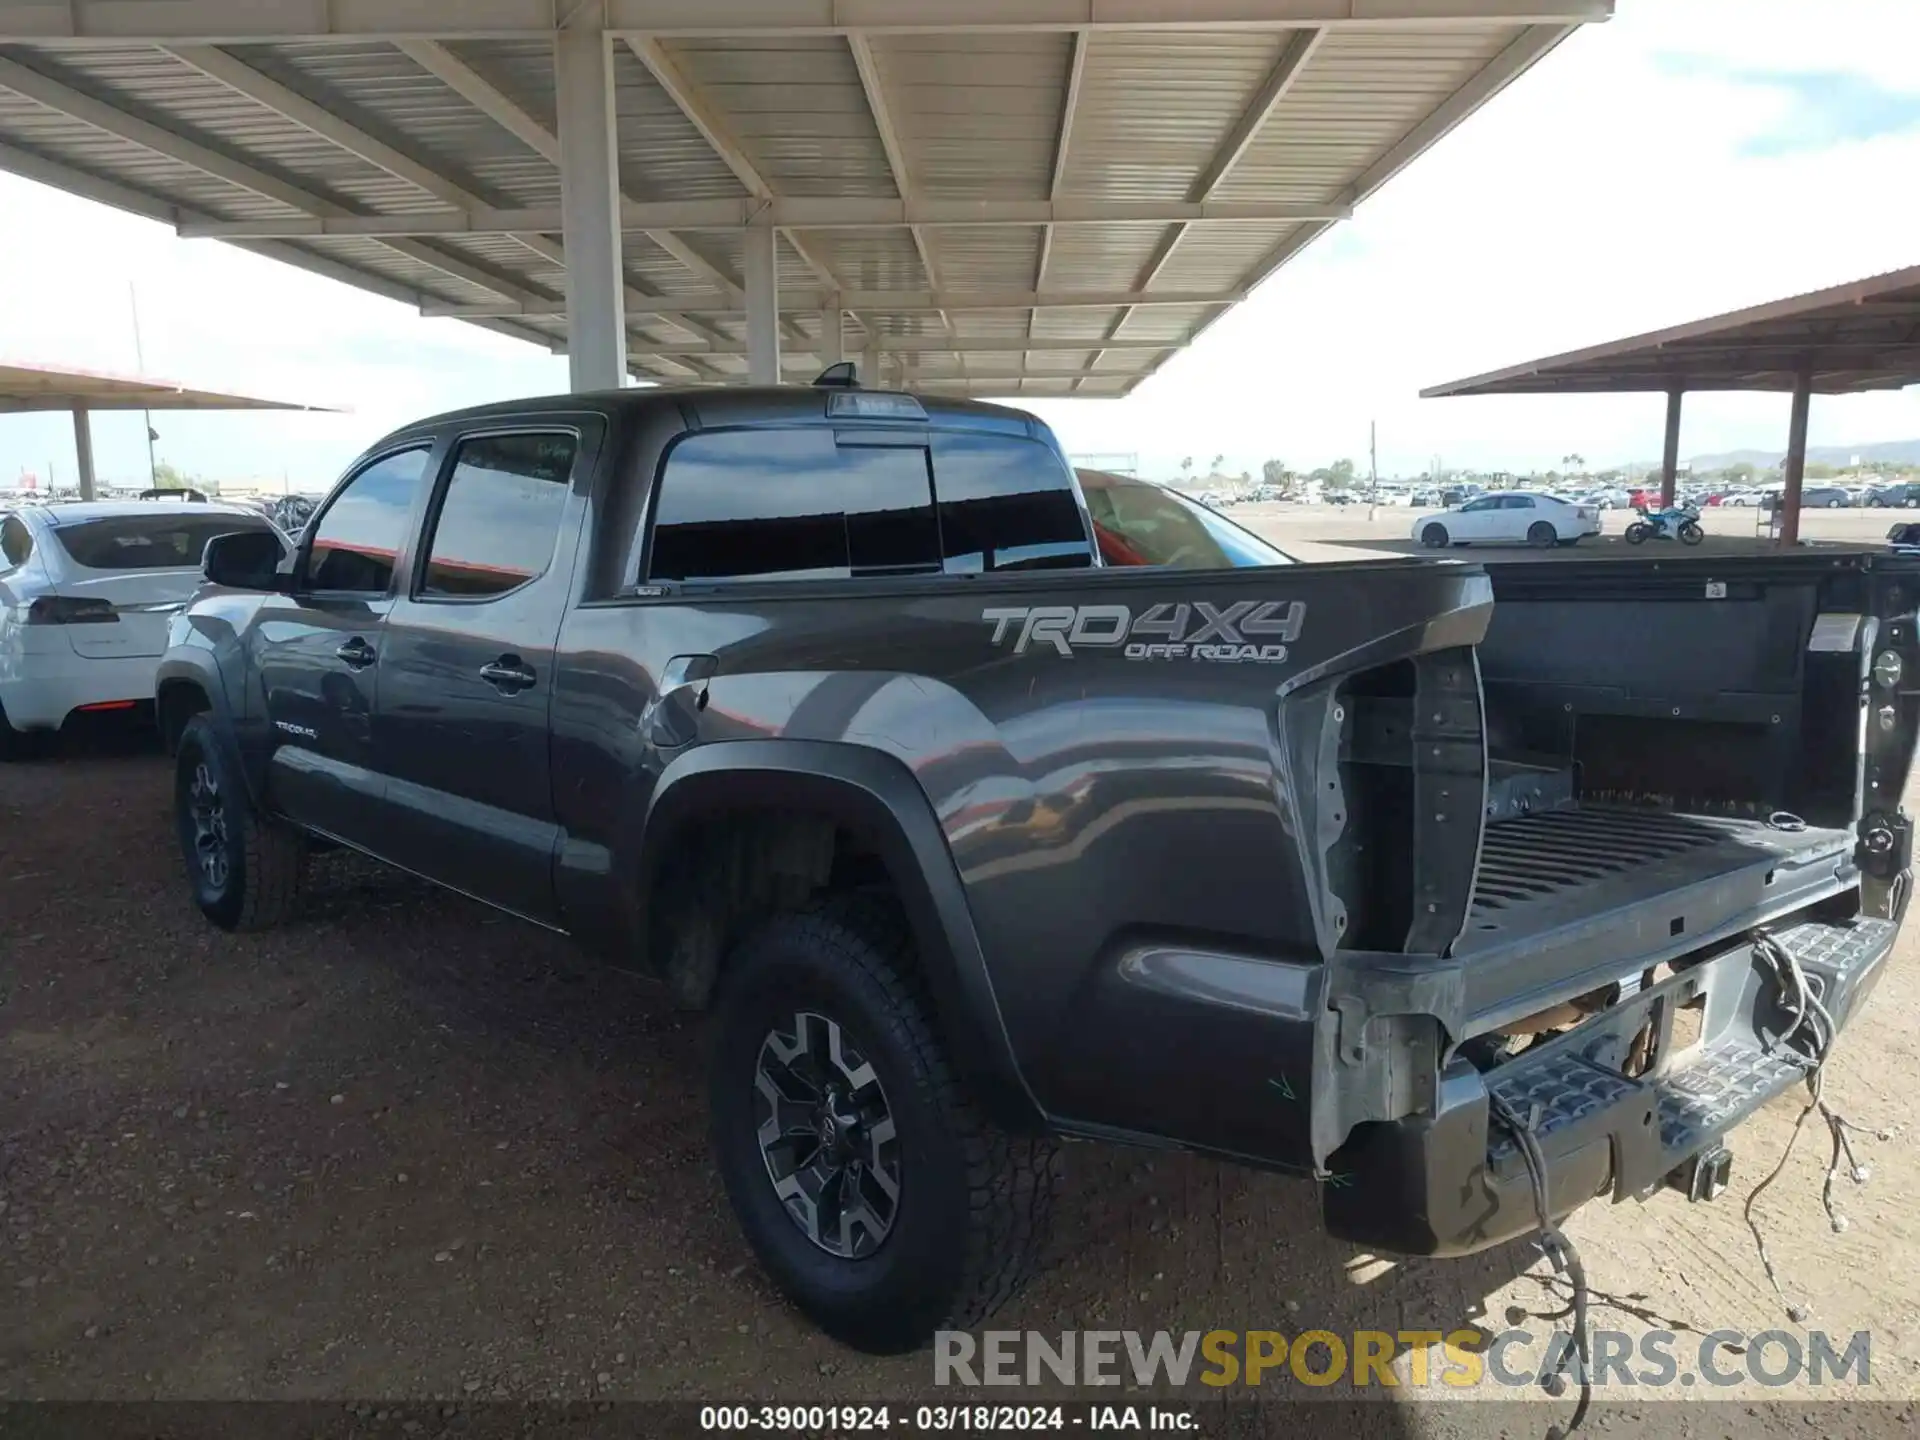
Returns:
point(1676, 522)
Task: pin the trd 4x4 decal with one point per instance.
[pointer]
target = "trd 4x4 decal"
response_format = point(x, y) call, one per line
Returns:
point(1257, 630)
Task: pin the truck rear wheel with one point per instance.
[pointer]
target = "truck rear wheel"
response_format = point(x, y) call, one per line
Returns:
point(245, 868)
point(882, 1202)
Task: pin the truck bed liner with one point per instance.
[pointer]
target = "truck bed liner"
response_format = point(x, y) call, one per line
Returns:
point(1561, 892)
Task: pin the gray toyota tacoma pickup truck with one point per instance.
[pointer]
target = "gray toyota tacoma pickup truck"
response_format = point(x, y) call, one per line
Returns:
point(986, 809)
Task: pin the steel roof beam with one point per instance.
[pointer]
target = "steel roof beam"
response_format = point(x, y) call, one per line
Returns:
point(881, 109)
point(483, 95)
point(888, 301)
point(257, 21)
point(1294, 55)
point(1076, 74)
point(56, 95)
point(788, 213)
point(920, 345)
point(705, 116)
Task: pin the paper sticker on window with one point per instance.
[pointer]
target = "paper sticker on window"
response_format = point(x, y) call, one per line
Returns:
point(1716, 589)
point(1834, 632)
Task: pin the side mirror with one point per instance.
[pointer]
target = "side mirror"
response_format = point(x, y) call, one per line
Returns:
point(244, 560)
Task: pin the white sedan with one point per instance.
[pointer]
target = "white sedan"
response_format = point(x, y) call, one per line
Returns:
point(86, 594)
point(1509, 517)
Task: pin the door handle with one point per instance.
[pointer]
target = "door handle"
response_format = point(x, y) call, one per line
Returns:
point(509, 673)
point(357, 653)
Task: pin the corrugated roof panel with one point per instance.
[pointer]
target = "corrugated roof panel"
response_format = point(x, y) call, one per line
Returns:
point(1165, 322)
point(378, 89)
point(1100, 257)
point(985, 257)
point(381, 259)
point(1214, 256)
point(664, 272)
point(34, 127)
point(1358, 96)
point(797, 109)
point(1075, 324)
point(1154, 109)
point(978, 114)
point(870, 259)
point(662, 155)
point(151, 84)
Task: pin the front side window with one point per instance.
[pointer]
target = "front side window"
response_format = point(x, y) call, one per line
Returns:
point(1006, 504)
point(500, 515)
point(792, 504)
point(1479, 505)
point(164, 540)
point(358, 538)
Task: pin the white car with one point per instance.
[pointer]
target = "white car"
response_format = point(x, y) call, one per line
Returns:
point(1521, 517)
point(86, 594)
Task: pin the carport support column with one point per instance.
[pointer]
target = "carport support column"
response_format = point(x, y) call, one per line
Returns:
point(763, 305)
point(83, 450)
point(1670, 457)
point(1795, 468)
point(590, 210)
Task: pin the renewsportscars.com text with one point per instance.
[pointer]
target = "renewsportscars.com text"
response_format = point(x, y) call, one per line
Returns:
point(1362, 1359)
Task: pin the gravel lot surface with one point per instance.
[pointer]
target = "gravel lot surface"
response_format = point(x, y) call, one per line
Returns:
point(411, 1150)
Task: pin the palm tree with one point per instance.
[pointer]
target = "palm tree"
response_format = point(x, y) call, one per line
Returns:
point(1186, 465)
point(1218, 461)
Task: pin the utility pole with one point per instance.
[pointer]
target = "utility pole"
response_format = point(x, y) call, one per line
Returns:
point(140, 364)
point(1373, 470)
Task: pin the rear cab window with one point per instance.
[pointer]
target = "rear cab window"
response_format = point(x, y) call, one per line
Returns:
point(841, 502)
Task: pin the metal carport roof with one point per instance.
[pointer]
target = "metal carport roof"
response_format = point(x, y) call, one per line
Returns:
point(1861, 336)
point(1041, 197)
point(1864, 335)
point(26, 386)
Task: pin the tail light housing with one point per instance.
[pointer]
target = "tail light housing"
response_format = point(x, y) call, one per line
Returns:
point(71, 610)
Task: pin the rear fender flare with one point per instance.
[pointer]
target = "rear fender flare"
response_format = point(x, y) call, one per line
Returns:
point(876, 797)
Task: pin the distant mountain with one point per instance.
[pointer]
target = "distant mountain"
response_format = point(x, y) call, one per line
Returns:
point(1899, 452)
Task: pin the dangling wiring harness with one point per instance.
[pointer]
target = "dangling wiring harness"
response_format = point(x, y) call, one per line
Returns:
point(1807, 1039)
point(1558, 1249)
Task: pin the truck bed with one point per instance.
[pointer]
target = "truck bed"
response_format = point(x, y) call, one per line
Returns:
point(1562, 892)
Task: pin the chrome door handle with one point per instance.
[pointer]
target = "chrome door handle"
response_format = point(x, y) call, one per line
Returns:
point(357, 654)
point(509, 673)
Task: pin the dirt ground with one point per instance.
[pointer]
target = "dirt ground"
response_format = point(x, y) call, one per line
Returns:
point(407, 1149)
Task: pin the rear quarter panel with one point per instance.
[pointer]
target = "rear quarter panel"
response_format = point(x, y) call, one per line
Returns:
point(1099, 786)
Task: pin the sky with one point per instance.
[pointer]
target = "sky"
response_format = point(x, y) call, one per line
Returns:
point(1686, 158)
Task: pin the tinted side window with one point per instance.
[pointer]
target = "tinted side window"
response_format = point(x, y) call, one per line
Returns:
point(500, 514)
point(358, 537)
point(791, 504)
point(1516, 502)
point(1006, 504)
point(16, 541)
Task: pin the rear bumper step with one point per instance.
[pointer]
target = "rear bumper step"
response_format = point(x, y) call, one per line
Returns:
point(1614, 1114)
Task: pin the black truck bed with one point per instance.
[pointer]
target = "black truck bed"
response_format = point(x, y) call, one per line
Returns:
point(1562, 892)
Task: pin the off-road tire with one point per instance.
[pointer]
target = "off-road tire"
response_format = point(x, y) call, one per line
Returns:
point(1434, 537)
point(974, 1202)
point(265, 859)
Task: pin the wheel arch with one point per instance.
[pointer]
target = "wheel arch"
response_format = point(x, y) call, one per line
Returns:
point(872, 798)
